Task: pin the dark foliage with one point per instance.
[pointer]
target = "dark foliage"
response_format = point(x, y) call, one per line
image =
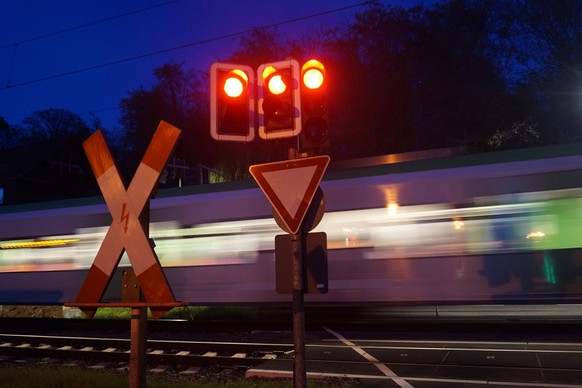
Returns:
point(479, 74)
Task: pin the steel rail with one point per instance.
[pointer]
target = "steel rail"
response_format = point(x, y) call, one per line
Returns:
point(159, 351)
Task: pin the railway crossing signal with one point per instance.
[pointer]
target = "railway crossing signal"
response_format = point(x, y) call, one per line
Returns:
point(315, 126)
point(126, 231)
point(290, 187)
point(232, 102)
point(279, 100)
point(291, 100)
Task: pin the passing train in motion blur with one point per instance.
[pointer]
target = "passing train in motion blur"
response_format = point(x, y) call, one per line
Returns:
point(488, 228)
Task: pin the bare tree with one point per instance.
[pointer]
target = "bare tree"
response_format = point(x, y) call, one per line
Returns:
point(54, 124)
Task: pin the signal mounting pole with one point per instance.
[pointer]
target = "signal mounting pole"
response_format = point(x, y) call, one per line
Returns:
point(290, 185)
point(298, 303)
point(299, 367)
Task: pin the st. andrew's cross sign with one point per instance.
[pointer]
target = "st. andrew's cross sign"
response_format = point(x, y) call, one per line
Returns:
point(126, 231)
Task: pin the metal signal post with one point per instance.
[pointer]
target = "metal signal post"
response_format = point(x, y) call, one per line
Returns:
point(290, 99)
point(299, 367)
point(287, 184)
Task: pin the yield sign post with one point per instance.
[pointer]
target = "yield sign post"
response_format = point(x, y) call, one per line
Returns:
point(126, 231)
point(290, 187)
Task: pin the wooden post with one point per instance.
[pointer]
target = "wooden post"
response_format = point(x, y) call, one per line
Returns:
point(137, 355)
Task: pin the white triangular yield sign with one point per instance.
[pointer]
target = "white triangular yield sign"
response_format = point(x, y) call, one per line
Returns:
point(290, 185)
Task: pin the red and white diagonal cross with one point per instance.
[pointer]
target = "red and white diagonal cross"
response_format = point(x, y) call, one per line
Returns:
point(126, 231)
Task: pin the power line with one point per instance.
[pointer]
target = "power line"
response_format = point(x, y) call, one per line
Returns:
point(195, 43)
point(88, 24)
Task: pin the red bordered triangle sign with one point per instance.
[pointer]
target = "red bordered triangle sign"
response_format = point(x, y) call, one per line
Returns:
point(290, 186)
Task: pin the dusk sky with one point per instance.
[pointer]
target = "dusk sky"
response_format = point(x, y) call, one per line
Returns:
point(87, 55)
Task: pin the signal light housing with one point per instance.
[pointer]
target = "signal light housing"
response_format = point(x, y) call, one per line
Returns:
point(279, 100)
point(232, 102)
point(315, 124)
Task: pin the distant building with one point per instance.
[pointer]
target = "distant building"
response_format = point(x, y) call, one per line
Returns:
point(54, 169)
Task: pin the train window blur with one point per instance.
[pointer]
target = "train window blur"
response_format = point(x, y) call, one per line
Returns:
point(534, 221)
point(491, 228)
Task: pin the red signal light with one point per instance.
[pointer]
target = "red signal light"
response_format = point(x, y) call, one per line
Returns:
point(314, 118)
point(313, 74)
point(276, 84)
point(235, 83)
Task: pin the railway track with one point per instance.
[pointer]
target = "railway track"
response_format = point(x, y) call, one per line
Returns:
point(421, 354)
point(160, 352)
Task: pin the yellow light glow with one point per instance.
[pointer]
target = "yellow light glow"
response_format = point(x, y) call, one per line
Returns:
point(313, 74)
point(458, 224)
point(391, 196)
point(277, 85)
point(536, 234)
point(38, 244)
point(267, 72)
point(392, 208)
point(235, 83)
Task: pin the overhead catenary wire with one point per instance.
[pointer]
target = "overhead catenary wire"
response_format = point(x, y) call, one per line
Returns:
point(180, 47)
point(85, 25)
point(19, 43)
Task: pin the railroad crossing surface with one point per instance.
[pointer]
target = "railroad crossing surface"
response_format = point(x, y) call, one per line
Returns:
point(422, 364)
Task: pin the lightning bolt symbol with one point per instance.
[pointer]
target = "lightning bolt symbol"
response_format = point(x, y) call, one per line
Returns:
point(124, 216)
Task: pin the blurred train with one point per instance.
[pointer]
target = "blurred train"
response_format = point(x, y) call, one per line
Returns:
point(503, 227)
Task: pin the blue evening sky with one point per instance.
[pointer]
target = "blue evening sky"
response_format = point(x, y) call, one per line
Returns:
point(70, 54)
